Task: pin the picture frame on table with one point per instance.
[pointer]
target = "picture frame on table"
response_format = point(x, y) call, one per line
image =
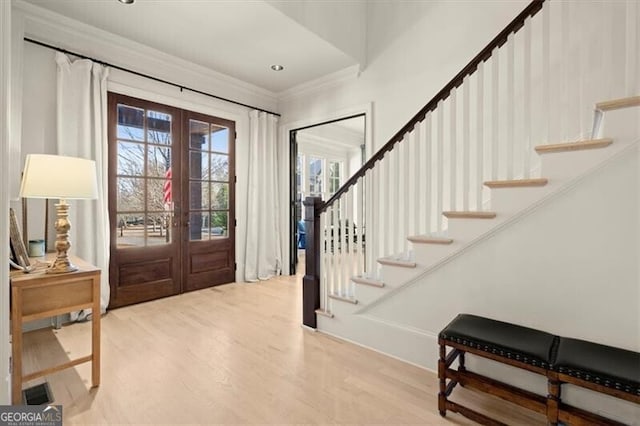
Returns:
point(19, 258)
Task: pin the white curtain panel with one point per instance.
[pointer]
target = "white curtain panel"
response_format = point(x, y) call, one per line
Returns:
point(264, 245)
point(82, 132)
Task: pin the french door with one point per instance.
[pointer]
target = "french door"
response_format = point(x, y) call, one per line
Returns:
point(171, 200)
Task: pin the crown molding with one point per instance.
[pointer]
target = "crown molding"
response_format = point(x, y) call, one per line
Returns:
point(320, 84)
point(50, 27)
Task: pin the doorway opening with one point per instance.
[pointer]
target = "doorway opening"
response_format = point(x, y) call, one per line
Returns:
point(323, 157)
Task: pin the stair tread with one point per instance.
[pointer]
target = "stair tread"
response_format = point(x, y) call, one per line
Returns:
point(324, 313)
point(367, 281)
point(574, 146)
point(631, 101)
point(343, 298)
point(469, 215)
point(516, 183)
point(428, 239)
point(396, 262)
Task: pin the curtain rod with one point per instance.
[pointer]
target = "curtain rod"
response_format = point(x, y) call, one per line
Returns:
point(181, 87)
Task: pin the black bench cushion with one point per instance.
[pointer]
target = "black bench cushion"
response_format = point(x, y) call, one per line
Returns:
point(611, 367)
point(511, 341)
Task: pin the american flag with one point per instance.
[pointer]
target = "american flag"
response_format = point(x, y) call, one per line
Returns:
point(167, 187)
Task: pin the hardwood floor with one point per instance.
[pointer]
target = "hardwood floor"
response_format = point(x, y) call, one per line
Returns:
point(237, 354)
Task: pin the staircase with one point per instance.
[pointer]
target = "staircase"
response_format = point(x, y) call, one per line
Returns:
point(528, 125)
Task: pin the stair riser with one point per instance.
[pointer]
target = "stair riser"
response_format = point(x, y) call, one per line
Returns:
point(464, 230)
point(617, 125)
point(340, 308)
point(512, 200)
point(562, 166)
point(394, 275)
point(367, 294)
point(430, 254)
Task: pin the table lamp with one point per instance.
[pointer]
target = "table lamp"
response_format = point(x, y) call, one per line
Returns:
point(65, 178)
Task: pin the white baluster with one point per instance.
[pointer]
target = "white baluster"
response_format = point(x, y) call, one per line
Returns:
point(408, 204)
point(372, 229)
point(495, 103)
point(633, 47)
point(511, 105)
point(480, 137)
point(426, 204)
point(546, 75)
point(440, 165)
point(527, 100)
point(453, 151)
point(564, 90)
point(324, 267)
point(418, 168)
point(395, 208)
point(344, 223)
point(385, 200)
point(335, 250)
point(466, 143)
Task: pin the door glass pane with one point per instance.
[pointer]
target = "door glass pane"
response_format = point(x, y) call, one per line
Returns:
point(130, 195)
point(130, 158)
point(198, 226)
point(219, 195)
point(198, 165)
point(155, 194)
point(219, 139)
point(130, 123)
point(158, 228)
point(219, 167)
point(220, 224)
point(158, 128)
point(158, 161)
point(129, 231)
point(199, 195)
point(198, 135)
point(315, 177)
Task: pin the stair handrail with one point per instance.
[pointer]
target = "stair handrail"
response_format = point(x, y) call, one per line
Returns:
point(513, 27)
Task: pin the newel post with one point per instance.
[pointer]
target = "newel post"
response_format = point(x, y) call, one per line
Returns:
point(311, 280)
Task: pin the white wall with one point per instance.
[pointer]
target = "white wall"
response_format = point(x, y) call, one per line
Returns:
point(413, 50)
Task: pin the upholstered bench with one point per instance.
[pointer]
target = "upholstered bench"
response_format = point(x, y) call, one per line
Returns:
point(604, 369)
point(562, 360)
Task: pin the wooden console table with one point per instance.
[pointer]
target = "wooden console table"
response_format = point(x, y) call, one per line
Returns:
point(40, 295)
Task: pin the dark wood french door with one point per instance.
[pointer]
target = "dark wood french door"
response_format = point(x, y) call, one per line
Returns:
point(171, 200)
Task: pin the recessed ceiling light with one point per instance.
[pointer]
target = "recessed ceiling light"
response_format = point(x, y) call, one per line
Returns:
point(277, 67)
point(126, 1)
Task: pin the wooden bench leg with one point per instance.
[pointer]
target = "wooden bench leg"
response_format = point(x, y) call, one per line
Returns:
point(553, 398)
point(442, 376)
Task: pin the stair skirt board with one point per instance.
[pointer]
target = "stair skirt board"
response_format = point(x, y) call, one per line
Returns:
point(618, 103)
point(574, 146)
point(324, 313)
point(469, 215)
point(517, 183)
point(367, 281)
point(343, 298)
point(400, 263)
point(423, 239)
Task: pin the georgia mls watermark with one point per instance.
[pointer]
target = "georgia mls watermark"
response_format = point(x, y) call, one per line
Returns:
point(30, 415)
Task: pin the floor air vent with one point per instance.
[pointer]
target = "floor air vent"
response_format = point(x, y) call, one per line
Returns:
point(37, 395)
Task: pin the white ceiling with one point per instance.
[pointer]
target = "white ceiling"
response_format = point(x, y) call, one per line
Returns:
point(238, 38)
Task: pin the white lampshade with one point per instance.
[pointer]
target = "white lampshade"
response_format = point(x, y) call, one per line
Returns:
point(56, 176)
